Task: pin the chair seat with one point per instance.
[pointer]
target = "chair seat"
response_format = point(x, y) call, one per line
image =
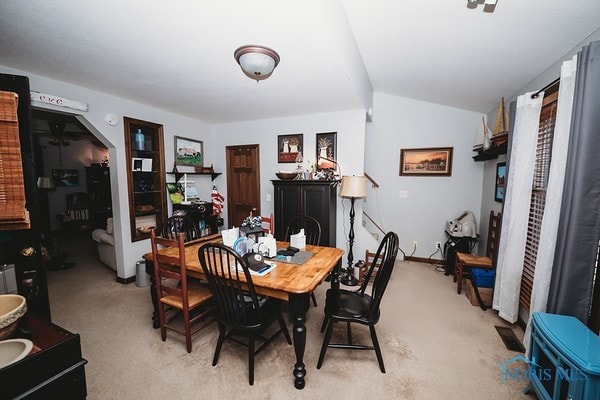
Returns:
point(197, 294)
point(268, 312)
point(471, 260)
point(349, 305)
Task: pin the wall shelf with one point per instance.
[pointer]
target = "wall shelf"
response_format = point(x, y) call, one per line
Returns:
point(179, 175)
point(491, 153)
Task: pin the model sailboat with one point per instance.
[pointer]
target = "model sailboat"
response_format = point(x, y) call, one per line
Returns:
point(500, 132)
point(498, 136)
point(483, 140)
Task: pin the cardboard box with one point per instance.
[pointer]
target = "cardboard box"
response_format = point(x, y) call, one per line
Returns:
point(486, 294)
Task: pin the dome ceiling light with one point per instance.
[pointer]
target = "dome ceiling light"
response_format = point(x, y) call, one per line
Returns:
point(257, 62)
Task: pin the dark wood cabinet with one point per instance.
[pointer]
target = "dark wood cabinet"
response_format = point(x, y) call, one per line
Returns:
point(53, 370)
point(144, 150)
point(99, 195)
point(313, 198)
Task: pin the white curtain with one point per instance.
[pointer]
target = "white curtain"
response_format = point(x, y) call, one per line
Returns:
point(516, 206)
point(554, 191)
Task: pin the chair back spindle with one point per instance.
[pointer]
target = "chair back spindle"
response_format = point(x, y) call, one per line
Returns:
point(312, 229)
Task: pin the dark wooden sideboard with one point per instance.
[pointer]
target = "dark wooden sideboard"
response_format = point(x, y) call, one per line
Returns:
point(53, 370)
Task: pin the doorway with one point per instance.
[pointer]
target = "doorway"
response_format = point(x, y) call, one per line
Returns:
point(77, 196)
point(243, 182)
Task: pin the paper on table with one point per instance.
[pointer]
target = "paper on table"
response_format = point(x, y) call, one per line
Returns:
point(268, 268)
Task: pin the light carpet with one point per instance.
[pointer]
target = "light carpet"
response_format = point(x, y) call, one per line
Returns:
point(435, 345)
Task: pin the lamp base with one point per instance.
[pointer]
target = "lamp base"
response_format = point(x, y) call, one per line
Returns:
point(349, 280)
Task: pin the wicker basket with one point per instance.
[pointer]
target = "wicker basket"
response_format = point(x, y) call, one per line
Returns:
point(12, 308)
point(7, 331)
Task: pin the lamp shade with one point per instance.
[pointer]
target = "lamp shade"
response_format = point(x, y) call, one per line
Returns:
point(257, 62)
point(354, 186)
point(45, 182)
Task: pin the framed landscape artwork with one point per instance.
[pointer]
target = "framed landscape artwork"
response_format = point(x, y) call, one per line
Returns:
point(500, 182)
point(65, 177)
point(188, 152)
point(326, 150)
point(288, 147)
point(434, 161)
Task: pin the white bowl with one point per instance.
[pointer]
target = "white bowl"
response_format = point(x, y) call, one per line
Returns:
point(13, 350)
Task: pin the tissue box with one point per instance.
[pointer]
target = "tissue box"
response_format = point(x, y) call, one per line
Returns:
point(298, 241)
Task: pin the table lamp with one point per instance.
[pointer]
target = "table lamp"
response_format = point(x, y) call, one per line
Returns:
point(45, 182)
point(353, 187)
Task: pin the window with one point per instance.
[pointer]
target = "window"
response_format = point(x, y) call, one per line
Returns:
point(13, 214)
point(538, 194)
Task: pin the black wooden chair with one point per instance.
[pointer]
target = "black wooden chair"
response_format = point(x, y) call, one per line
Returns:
point(240, 312)
point(183, 296)
point(359, 307)
point(312, 230)
point(180, 224)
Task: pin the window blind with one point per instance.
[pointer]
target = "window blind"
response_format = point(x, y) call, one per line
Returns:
point(538, 195)
point(13, 214)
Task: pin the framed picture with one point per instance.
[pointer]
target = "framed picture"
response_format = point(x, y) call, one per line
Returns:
point(65, 177)
point(326, 150)
point(188, 152)
point(434, 161)
point(288, 147)
point(141, 164)
point(500, 180)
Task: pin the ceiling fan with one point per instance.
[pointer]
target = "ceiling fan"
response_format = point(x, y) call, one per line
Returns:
point(57, 136)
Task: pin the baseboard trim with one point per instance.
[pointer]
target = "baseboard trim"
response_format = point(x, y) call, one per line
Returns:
point(425, 260)
point(126, 280)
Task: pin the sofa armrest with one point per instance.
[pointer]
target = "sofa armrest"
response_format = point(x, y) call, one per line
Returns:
point(100, 236)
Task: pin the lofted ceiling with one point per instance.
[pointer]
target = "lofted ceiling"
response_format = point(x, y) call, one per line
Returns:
point(178, 55)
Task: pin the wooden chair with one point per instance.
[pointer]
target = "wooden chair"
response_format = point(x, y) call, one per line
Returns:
point(239, 310)
point(364, 269)
point(268, 224)
point(183, 296)
point(77, 214)
point(180, 224)
point(464, 261)
point(312, 230)
point(358, 306)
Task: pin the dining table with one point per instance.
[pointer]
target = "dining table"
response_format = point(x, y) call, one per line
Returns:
point(287, 281)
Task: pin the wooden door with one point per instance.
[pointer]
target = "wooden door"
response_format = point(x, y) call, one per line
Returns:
point(243, 182)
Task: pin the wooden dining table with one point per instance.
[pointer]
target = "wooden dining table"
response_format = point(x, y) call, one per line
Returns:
point(290, 282)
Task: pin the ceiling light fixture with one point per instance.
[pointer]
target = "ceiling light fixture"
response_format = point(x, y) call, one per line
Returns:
point(257, 62)
point(488, 5)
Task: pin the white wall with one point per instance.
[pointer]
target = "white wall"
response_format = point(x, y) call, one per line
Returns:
point(100, 104)
point(350, 128)
point(401, 123)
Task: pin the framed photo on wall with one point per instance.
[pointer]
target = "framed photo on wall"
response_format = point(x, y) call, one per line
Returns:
point(288, 147)
point(500, 182)
point(433, 161)
point(326, 150)
point(65, 177)
point(188, 152)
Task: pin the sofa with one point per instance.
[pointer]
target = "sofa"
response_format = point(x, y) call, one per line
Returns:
point(106, 244)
